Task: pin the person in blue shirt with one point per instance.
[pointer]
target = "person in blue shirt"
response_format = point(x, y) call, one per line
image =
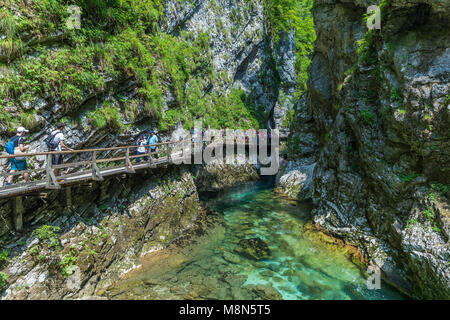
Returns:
point(152, 139)
point(19, 164)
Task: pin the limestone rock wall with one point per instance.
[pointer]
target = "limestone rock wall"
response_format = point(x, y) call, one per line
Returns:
point(381, 116)
point(102, 236)
point(243, 57)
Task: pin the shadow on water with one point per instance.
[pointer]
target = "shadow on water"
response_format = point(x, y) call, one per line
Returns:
point(260, 241)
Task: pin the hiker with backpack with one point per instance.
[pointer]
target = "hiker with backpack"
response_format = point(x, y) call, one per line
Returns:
point(55, 142)
point(152, 139)
point(141, 149)
point(16, 146)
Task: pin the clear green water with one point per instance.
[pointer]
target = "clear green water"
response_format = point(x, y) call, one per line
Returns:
point(210, 268)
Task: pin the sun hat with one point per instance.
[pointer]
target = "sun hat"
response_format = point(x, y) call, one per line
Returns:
point(22, 129)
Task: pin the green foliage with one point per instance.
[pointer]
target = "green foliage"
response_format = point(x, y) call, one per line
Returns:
point(428, 212)
point(366, 115)
point(120, 40)
point(3, 257)
point(436, 229)
point(106, 117)
point(411, 223)
point(68, 263)
point(441, 188)
point(429, 215)
point(48, 234)
point(364, 48)
point(286, 15)
point(34, 250)
point(408, 177)
point(433, 196)
point(288, 120)
point(395, 95)
point(3, 280)
point(28, 120)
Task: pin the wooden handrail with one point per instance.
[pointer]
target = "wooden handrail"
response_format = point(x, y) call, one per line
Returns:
point(86, 150)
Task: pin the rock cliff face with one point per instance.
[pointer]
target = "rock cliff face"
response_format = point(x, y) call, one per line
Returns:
point(76, 246)
point(242, 58)
point(101, 236)
point(369, 142)
point(378, 104)
point(107, 229)
point(243, 51)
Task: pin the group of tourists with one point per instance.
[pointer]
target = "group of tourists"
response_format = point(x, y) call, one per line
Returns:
point(55, 143)
point(17, 146)
point(247, 134)
point(143, 144)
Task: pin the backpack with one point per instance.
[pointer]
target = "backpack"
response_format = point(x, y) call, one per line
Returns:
point(9, 148)
point(50, 141)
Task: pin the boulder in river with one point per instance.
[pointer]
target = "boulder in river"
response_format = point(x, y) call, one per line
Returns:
point(230, 257)
point(254, 248)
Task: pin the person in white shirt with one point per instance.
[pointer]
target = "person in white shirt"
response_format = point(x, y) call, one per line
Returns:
point(59, 140)
point(141, 149)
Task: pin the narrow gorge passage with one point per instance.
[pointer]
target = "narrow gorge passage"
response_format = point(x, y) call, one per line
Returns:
point(224, 264)
point(353, 95)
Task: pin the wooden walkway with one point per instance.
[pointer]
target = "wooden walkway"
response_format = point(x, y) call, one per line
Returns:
point(168, 152)
point(172, 152)
point(121, 163)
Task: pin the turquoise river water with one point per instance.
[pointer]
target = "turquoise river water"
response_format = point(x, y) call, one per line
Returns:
point(212, 266)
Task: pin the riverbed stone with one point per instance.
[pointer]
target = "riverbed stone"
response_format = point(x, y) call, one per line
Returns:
point(254, 248)
point(230, 257)
point(263, 292)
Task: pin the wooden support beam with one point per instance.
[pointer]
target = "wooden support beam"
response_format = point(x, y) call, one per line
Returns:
point(169, 153)
point(128, 166)
point(18, 212)
point(150, 158)
point(52, 183)
point(96, 174)
point(68, 197)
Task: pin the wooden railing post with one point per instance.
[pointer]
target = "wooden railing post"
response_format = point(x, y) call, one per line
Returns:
point(150, 157)
point(52, 182)
point(18, 211)
point(169, 153)
point(128, 166)
point(96, 174)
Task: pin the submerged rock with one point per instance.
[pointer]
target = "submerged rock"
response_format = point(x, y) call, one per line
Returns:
point(263, 292)
point(254, 248)
point(230, 257)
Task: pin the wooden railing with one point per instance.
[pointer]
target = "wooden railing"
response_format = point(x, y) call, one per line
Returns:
point(125, 154)
point(44, 176)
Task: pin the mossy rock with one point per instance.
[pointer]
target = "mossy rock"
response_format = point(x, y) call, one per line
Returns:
point(254, 248)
